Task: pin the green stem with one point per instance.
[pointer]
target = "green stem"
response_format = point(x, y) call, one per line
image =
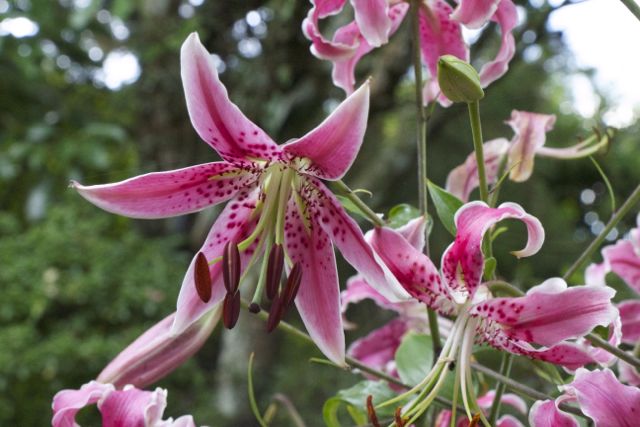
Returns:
point(522, 389)
point(421, 142)
point(596, 341)
point(476, 130)
point(505, 369)
point(633, 7)
point(615, 219)
point(341, 187)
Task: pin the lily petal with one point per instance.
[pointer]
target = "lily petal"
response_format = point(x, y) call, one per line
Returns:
point(630, 317)
point(508, 421)
point(628, 374)
point(507, 18)
point(372, 17)
point(167, 194)
point(217, 120)
point(414, 270)
point(463, 179)
point(358, 290)
point(131, 406)
point(486, 401)
point(318, 300)
point(474, 13)
point(158, 352)
point(625, 262)
point(234, 223)
point(545, 413)
point(378, 348)
point(348, 238)
point(333, 145)
point(414, 232)
point(530, 134)
point(551, 313)
point(604, 399)
point(462, 262)
point(67, 403)
point(320, 46)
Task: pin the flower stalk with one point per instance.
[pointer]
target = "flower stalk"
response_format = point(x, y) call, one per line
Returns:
point(476, 129)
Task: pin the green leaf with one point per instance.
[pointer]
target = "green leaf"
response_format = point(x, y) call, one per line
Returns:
point(401, 214)
point(446, 206)
point(354, 399)
point(489, 267)
point(547, 371)
point(414, 357)
point(351, 207)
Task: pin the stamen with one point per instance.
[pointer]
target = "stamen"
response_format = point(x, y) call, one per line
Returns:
point(254, 308)
point(400, 422)
point(275, 313)
point(274, 270)
point(231, 310)
point(475, 421)
point(231, 267)
point(371, 412)
point(202, 277)
point(292, 286)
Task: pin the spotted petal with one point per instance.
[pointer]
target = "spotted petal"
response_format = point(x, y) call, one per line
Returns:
point(463, 179)
point(318, 299)
point(217, 120)
point(530, 134)
point(234, 223)
point(333, 145)
point(507, 18)
point(348, 238)
point(462, 262)
point(158, 352)
point(167, 194)
point(551, 312)
point(604, 399)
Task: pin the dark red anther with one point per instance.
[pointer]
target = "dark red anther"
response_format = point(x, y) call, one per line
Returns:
point(475, 421)
point(371, 412)
point(254, 308)
point(231, 267)
point(293, 284)
point(275, 313)
point(399, 421)
point(231, 310)
point(202, 278)
point(274, 270)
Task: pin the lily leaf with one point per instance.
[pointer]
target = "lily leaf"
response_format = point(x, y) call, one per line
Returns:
point(354, 399)
point(351, 207)
point(446, 206)
point(401, 214)
point(414, 357)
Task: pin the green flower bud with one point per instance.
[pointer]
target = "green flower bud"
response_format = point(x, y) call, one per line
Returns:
point(458, 80)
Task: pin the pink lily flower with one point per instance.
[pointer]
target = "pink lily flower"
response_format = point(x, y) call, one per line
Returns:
point(484, 403)
point(600, 396)
point(440, 34)
point(119, 408)
point(279, 210)
point(516, 156)
point(548, 315)
point(158, 351)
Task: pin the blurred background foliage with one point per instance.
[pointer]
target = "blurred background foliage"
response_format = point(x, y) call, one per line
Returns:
point(90, 90)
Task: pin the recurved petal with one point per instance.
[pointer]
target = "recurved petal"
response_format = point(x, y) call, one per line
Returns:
point(217, 120)
point(551, 312)
point(414, 232)
point(486, 401)
point(507, 18)
point(133, 407)
point(628, 374)
point(545, 413)
point(358, 290)
point(414, 270)
point(440, 35)
point(625, 262)
point(321, 47)
point(463, 179)
point(157, 352)
point(530, 134)
point(372, 17)
point(234, 223)
point(508, 421)
point(332, 147)
point(604, 399)
point(474, 13)
point(171, 193)
point(462, 262)
point(630, 317)
point(67, 403)
point(348, 238)
point(318, 299)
